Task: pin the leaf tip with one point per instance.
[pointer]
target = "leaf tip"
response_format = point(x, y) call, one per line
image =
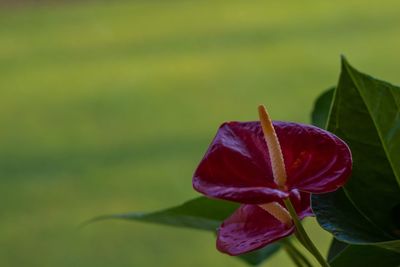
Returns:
point(344, 60)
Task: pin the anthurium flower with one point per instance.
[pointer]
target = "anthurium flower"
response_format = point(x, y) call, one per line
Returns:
point(260, 164)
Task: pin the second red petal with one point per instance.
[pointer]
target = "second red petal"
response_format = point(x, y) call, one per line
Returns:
point(250, 228)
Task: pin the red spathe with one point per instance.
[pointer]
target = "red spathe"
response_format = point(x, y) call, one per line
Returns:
point(237, 167)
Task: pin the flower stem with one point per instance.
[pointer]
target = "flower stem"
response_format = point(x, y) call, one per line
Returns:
point(302, 235)
point(293, 257)
point(297, 257)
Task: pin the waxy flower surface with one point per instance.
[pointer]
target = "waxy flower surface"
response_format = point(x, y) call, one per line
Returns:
point(260, 167)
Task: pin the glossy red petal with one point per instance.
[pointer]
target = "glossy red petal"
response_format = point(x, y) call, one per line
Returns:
point(250, 228)
point(236, 166)
point(316, 160)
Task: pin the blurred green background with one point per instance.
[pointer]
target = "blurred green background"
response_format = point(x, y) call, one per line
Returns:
point(107, 107)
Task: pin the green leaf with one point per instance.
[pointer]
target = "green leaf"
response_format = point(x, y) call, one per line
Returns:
point(200, 213)
point(365, 113)
point(338, 215)
point(346, 255)
point(320, 114)
point(336, 248)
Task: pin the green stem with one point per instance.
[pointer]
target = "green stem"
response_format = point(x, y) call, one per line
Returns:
point(298, 253)
point(301, 239)
point(297, 257)
point(293, 256)
point(302, 235)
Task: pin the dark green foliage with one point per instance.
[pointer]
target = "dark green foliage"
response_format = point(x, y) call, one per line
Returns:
point(365, 113)
point(345, 255)
point(200, 213)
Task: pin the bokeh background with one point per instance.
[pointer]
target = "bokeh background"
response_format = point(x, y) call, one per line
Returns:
point(107, 107)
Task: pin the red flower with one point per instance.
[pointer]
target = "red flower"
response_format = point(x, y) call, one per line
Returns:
point(245, 165)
